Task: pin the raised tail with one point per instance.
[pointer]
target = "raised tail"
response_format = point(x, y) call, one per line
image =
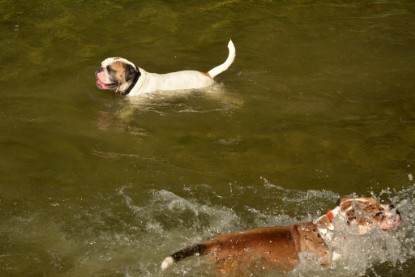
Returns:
point(198, 249)
point(220, 68)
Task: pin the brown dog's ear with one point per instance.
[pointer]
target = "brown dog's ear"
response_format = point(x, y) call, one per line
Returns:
point(342, 199)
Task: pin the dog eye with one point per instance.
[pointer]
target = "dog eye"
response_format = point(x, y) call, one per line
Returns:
point(378, 213)
point(109, 69)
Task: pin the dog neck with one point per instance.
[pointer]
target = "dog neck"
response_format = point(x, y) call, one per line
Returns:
point(325, 228)
point(325, 224)
point(131, 84)
point(337, 219)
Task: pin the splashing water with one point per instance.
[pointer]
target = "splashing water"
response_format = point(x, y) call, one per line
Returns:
point(175, 222)
point(131, 231)
point(140, 227)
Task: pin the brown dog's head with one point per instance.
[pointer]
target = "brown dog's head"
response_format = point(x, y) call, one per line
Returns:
point(362, 213)
point(117, 74)
point(365, 213)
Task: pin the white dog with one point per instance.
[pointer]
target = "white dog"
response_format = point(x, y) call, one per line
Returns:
point(122, 76)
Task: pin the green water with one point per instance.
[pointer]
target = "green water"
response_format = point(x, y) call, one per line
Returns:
point(320, 100)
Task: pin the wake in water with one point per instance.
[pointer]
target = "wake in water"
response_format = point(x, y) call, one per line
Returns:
point(216, 99)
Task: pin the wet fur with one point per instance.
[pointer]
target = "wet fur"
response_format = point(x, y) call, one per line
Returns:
point(279, 247)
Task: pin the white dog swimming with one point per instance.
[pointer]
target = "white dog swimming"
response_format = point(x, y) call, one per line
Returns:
point(122, 76)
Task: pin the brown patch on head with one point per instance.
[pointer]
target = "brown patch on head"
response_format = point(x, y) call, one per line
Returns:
point(117, 71)
point(363, 210)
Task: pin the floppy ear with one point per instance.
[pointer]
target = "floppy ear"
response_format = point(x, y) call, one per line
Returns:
point(130, 72)
point(341, 200)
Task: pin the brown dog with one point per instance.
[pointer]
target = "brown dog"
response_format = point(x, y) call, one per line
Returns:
point(280, 247)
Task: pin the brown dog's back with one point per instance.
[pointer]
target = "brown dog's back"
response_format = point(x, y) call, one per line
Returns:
point(269, 247)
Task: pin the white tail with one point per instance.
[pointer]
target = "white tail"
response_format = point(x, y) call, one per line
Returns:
point(167, 262)
point(220, 68)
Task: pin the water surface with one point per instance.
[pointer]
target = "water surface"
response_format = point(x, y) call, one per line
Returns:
point(319, 103)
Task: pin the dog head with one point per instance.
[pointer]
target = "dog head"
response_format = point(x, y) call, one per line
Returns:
point(367, 213)
point(363, 214)
point(117, 74)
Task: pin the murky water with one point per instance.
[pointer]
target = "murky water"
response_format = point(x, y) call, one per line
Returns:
point(319, 103)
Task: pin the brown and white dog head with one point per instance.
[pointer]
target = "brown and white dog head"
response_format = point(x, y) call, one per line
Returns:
point(118, 75)
point(364, 214)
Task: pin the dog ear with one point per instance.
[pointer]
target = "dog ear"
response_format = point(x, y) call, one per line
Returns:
point(342, 199)
point(130, 72)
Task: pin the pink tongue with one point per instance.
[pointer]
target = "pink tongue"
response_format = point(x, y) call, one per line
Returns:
point(101, 84)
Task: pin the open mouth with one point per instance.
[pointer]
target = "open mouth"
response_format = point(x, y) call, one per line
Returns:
point(102, 85)
point(100, 82)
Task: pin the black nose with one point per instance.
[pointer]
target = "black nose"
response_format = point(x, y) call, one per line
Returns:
point(398, 212)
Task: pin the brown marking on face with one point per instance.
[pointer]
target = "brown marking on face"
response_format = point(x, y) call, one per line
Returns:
point(117, 71)
point(361, 210)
